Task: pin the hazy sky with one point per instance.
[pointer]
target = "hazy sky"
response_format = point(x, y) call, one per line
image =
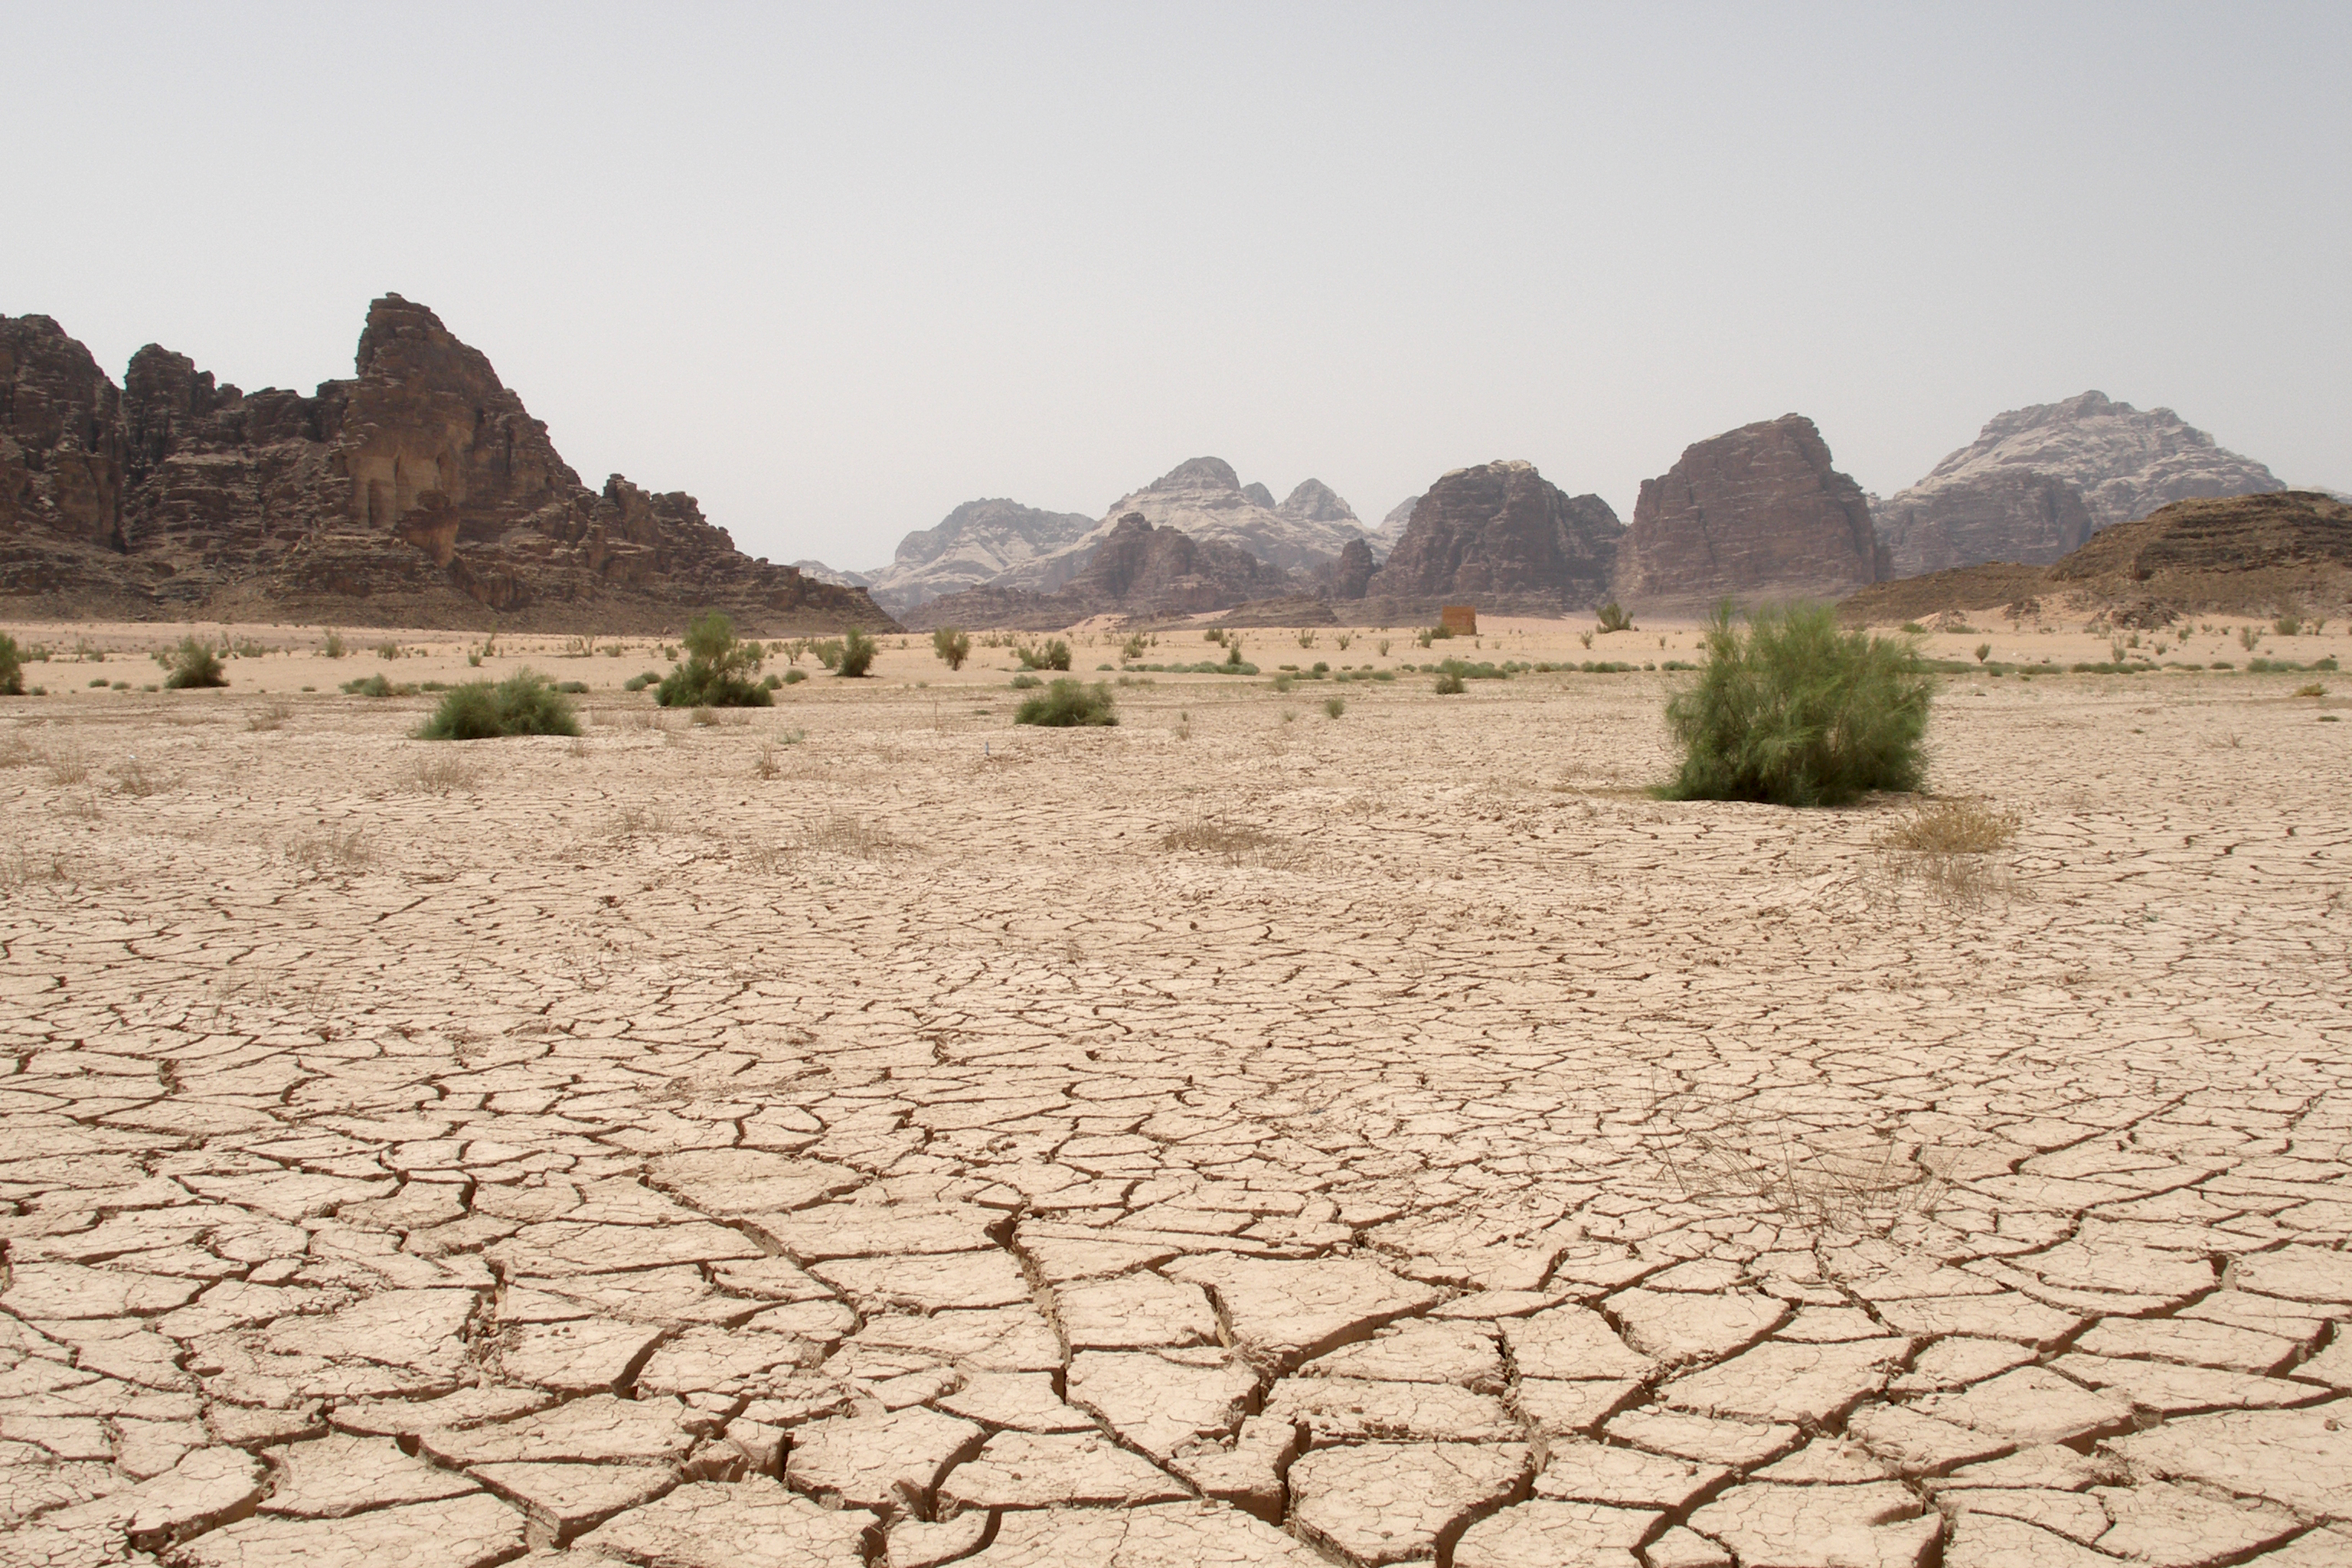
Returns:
point(837, 268)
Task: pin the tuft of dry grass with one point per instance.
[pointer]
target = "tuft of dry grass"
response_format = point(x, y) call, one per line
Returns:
point(1951, 848)
point(838, 833)
point(439, 772)
point(15, 751)
point(21, 869)
point(136, 779)
point(68, 768)
point(1235, 843)
point(269, 716)
point(1845, 1180)
point(330, 850)
point(640, 821)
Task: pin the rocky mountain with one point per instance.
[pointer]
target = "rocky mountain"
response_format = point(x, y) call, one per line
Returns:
point(1259, 494)
point(1755, 513)
point(833, 575)
point(2271, 552)
point(1499, 535)
point(1392, 528)
point(1137, 570)
point(2040, 481)
point(1206, 500)
point(977, 542)
point(421, 492)
point(1313, 501)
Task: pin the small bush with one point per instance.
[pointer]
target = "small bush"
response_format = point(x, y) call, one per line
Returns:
point(795, 676)
point(858, 651)
point(639, 682)
point(1054, 654)
point(387, 650)
point(1024, 682)
point(2287, 626)
point(373, 685)
point(1334, 706)
point(828, 652)
point(717, 671)
point(1953, 827)
point(2311, 688)
point(1450, 685)
point(1285, 682)
point(1613, 618)
point(1984, 651)
point(1067, 703)
point(521, 704)
point(569, 687)
point(1798, 712)
point(12, 667)
point(194, 663)
point(2249, 637)
point(333, 645)
point(953, 645)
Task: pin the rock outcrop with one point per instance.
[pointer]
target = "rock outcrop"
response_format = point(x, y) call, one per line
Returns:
point(1313, 501)
point(1206, 500)
point(1392, 529)
point(2273, 553)
point(2040, 481)
point(1502, 536)
point(421, 492)
point(1756, 513)
point(977, 542)
point(1137, 571)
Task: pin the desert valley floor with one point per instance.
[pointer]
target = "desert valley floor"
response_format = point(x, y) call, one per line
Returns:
point(869, 1133)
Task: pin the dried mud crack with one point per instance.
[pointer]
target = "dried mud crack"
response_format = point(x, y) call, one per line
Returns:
point(904, 1159)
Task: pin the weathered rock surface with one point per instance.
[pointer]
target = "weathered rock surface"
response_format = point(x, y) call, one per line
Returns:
point(1755, 513)
point(1206, 500)
point(977, 542)
point(2283, 550)
point(1393, 525)
point(421, 492)
point(1499, 533)
point(2040, 481)
point(1136, 569)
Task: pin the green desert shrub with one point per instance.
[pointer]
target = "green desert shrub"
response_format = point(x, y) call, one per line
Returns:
point(1054, 654)
point(12, 667)
point(1449, 684)
point(717, 671)
point(524, 703)
point(370, 686)
point(1334, 706)
point(194, 663)
point(333, 645)
point(1613, 618)
point(952, 644)
point(640, 681)
point(858, 651)
point(1067, 703)
point(1024, 682)
point(1796, 711)
point(795, 676)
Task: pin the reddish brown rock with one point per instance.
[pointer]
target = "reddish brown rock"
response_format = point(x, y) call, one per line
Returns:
point(420, 492)
point(1500, 534)
point(1756, 513)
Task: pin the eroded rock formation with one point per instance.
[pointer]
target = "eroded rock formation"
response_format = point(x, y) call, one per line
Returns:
point(1206, 500)
point(977, 542)
point(2039, 481)
point(1755, 513)
point(420, 492)
point(1138, 569)
point(1501, 534)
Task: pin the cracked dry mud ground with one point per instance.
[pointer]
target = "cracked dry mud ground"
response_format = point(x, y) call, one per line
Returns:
point(906, 1158)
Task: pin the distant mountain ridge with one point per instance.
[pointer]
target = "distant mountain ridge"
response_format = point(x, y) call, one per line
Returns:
point(2038, 482)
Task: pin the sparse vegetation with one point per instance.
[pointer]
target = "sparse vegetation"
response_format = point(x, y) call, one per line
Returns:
point(1613, 618)
point(1984, 651)
point(953, 645)
point(1024, 682)
point(1796, 711)
point(717, 671)
point(376, 686)
point(1054, 654)
point(194, 663)
point(1068, 703)
point(2249, 637)
point(858, 651)
point(387, 650)
point(332, 647)
point(2311, 688)
point(1948, 848)
point(438, 772)
point(1334, 706)
point(521, 704)
point(1449, 684)
point(269, 716)
point(1343, 639)
point(1584, 637)
point(2287, 626)
point(330, 850)
point(1235, 843)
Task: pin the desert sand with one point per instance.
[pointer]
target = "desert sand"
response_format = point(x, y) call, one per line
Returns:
point(862, 1131)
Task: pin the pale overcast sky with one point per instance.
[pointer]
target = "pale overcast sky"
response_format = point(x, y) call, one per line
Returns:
point(837, 268)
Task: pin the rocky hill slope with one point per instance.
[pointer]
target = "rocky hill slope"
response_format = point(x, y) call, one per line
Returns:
point(421, 492)
point(1501, 535)
point(977, 542)
point(1758, 513)
point(2274, 552)
point(1207, 501)
point(2040, 481)
point(1137, 570)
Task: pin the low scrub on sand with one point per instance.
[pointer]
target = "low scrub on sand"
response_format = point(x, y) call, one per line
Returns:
point(194, 663)
point(521, 704)
point(720, 670)
point(858, 651)
point(12, 667)
point(952, 644)
point(1068, 703)
point(1054, 654)
point(1793, 711)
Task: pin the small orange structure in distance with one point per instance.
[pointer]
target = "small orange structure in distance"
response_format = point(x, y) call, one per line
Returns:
point(1462, 620)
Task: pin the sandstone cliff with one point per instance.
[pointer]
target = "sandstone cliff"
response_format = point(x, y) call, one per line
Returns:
point(1502, 536)
point(1137, 570)
point(1206, 500)
point(2039, 481)
point(1755, 513)
point(1392, 526)
point(2273, 553)
point(421, 492)
point(977, 542)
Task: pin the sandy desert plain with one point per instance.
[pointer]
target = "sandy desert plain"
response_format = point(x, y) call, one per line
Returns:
point(863, 1131)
